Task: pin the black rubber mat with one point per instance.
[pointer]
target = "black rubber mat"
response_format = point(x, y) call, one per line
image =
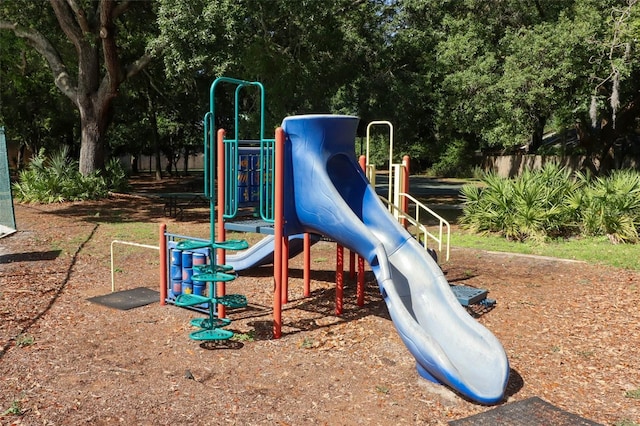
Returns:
point(529, 412)
point(127, 299)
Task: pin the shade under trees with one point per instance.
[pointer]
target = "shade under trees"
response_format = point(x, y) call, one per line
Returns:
point(454, 77)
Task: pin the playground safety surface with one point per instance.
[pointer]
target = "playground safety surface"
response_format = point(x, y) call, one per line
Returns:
point(571, 332)
point(528, 412)
point(127, 299)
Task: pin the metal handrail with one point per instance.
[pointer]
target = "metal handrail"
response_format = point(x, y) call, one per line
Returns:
point(128, 243)
point(390, 126)
point(423, 230)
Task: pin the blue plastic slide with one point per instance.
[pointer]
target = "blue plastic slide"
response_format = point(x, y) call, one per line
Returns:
point(449, 346)
point(261, 253)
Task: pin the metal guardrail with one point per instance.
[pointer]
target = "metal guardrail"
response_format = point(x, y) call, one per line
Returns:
point(128, 243)
point(422, 229)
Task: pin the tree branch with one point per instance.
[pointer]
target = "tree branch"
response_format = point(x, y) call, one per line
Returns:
point(120, 9)
point(69, 25)
point(138, 65)
point(109, 47)
point(81, 17)
point(41, 44)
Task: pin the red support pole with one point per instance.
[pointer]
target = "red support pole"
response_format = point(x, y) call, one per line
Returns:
point(339, 278)
point(352, 262)
point(285, 270)
point(406, 160)
point(220, 254)
point(362, 160)
point(307, 265)
point(163, 264)
point(278, 232)
point(360, 285)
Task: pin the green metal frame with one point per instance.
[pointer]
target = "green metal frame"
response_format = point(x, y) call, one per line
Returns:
point(231, 152)
point(210, 328)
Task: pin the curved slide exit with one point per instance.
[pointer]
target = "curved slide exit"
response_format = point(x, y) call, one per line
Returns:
point(449, 346)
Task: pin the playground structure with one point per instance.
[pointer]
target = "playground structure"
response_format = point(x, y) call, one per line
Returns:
point(7, 215)
point(317, 151)
point(410, 212)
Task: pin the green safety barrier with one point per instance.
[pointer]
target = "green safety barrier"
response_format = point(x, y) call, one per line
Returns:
point(7, 214)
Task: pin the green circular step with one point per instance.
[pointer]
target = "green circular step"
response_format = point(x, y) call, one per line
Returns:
point(207, 323)
point(192, 245)
point(233, 300)
point(231, 245)
point(211, 334)
point(208, 269)
point(213, 277)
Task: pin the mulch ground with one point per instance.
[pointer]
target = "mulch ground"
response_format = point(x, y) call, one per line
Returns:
point(571, 331)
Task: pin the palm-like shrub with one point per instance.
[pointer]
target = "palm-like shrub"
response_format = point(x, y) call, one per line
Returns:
point(57, 179)
point(528, 207)
point(549, 202)
point(608, 205)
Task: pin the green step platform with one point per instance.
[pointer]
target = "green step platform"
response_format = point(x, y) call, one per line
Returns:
point(211, 327)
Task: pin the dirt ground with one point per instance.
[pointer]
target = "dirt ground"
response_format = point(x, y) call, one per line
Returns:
point(571, 331)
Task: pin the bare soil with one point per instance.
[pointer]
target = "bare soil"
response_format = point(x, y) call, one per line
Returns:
point(571, 331)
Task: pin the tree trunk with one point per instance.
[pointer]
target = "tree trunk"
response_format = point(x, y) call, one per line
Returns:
point(537, 134)
point(154, 135)
point(186, 161)
point(91, 135)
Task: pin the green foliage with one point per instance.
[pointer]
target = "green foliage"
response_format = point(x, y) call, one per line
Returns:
point(57, 179)
point(608, 205)
point(250, 336)
point(548, 203)
point(635, 394)
point(456, 161)
point(116, 178)
point(494, 74)
point(14, 410)
point(378, 150)
point(528, 207)
point(24, 340)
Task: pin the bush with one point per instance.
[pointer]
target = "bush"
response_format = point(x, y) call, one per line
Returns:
point(549, 203)
point(608, 205)
point(57, 179)
point(116, 177)
point(530, 207)
point(456, 161)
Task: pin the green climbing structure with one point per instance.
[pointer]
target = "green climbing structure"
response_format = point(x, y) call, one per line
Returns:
point(212, 328)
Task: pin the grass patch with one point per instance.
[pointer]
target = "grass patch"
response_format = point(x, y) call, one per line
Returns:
point(140, 232)
point(382, 389)
point(250, 336)
point(14, 410)
point(24, 340)
point(588, 249)
point(626, 422)
point(635, 394)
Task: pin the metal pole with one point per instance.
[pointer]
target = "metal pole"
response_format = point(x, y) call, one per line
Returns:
point(278, 232)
